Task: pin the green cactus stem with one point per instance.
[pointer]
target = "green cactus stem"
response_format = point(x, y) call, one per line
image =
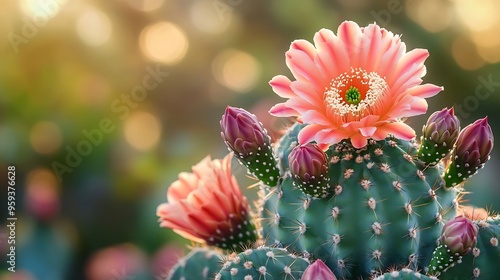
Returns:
point(199, 264)
point(386, 209)
point(263, 263)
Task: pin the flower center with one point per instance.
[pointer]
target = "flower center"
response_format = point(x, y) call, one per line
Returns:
point(355, 92)
point(353, 96)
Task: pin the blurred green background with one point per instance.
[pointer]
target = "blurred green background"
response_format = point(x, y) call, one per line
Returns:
point(103, 103)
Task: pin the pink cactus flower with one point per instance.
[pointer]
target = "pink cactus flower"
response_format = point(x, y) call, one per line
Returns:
point(357, 84)
point(207, 206)
point(318, 271)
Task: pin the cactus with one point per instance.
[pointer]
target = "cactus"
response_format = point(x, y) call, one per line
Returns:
point(201, 264)
point(263, 263)
point(404, 274)
point(346, 187)
point(386, 208)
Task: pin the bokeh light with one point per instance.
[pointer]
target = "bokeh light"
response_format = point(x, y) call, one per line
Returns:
point(433, 15)
point(236, 70)
point(206, 19)
point(45, 137)
point(464, 53)
point(142, 131)
point(478, 42)
point(145, 5)
point(41, 8)
point(164, 42)
point(42, 194)
point(122, 261)
point(478, 15)
point(94, 27)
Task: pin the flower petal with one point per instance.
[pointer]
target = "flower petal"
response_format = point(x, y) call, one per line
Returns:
point(358, 141)
point(424, 91)
point(305, 47)
point(313, 116)
point(308, 93)
point(281, 110)
point(398, 129)
point(308, 133)
point(281, 86)
point(332, 56)
point(350, 33)
point(303, 67)
point(367, 131)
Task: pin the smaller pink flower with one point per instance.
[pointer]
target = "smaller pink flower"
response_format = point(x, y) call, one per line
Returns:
point(318, 271)
point(207, 206)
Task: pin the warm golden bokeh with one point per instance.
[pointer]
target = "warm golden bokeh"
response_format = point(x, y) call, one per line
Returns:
point(142, 131)
point(478, 42)
point(236, 70)
point(164, 42)
point(45, 137)
point(94, 27)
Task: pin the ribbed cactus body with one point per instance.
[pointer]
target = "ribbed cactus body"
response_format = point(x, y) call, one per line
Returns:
point(482, 262)
point(385, 209)
point(263, 263)
point(200, 264)
point(404, 274)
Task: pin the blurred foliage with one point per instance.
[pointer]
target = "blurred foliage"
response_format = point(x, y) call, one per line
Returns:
point(94, 152)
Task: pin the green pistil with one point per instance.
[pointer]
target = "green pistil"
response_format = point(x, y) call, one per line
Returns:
point(353, 96)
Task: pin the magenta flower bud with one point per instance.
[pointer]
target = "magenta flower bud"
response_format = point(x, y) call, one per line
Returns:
point(318, 271)
point(458, 238)
point(459, 235)
point(471, 152)
point(242, 132)
point(439, 135)
point(308, 165)
point(245, 135)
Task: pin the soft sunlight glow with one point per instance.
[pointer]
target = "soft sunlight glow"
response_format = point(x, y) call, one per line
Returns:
point(206, 19)
point(236, 70)
point(94, 28)
point(433, 15)
point(41, 9)
point(145, 5)
point(142, 131)
point(465, 54)
point(164, 42)
point(478, 15)
point(45, 137)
